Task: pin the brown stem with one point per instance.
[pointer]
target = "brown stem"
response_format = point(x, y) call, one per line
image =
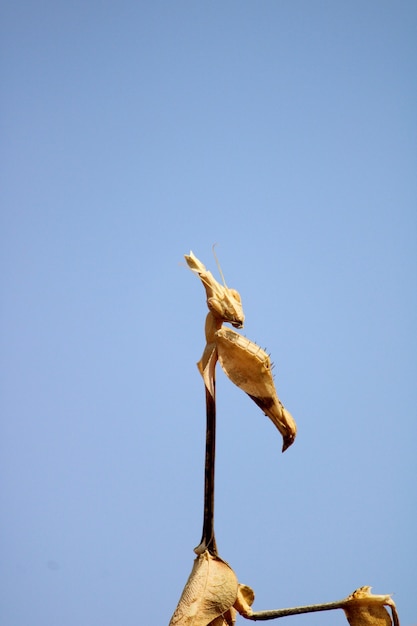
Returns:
point(208, 541)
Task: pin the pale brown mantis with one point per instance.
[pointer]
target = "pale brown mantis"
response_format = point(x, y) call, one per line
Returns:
point(244, 362)
point(212, 595)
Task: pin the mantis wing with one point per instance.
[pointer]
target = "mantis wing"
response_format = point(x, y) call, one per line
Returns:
point(249, 367)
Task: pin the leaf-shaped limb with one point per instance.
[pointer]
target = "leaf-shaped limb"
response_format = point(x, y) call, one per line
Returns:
point(249, 367)
point(363, 608)
point(242, 605)
point(206, 367)
point(210, 591)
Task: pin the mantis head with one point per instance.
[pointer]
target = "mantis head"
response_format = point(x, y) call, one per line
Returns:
point(224, 303)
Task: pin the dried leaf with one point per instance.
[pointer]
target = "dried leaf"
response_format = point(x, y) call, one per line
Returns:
point(249, 367)
point(362, 608)
point(210, 592)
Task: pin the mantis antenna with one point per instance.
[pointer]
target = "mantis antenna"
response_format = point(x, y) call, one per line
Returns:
point(218, 264)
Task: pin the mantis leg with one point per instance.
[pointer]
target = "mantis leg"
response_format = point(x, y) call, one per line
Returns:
point(296, 610)
point(361, 608)
point(208, 541)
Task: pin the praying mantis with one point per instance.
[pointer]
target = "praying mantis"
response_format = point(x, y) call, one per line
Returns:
point(244, 362)
point(212, 595)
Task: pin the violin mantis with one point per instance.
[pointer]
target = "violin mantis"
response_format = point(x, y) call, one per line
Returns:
point(244, 362)
point(212, 595)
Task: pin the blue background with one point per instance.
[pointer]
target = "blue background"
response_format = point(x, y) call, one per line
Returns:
point(133, 132)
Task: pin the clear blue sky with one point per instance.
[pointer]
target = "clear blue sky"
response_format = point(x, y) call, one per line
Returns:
point(132, 132)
